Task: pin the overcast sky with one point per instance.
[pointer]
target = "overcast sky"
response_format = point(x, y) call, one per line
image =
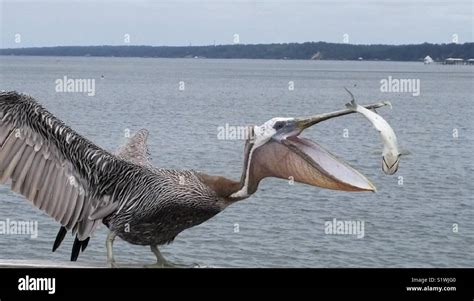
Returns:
point(185, 22)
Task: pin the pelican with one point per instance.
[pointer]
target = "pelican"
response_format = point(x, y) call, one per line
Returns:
point(81, 185)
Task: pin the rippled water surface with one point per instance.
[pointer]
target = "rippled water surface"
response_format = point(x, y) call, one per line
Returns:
point(408, 222)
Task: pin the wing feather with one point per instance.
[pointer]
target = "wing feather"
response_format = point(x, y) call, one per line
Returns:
point(61, 172)
point(45, 184)
point(71, 205)
point(41, 156)
point(76, 213)
point(22, 168)
point(36, 177)
point(11, 164)
point(136, 149)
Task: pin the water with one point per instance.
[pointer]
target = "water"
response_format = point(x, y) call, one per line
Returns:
point(282, 225)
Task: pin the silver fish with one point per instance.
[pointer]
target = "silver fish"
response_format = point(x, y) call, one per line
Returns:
point(390, 154)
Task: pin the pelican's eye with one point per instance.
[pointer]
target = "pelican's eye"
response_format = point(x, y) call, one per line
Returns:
point(279, 125)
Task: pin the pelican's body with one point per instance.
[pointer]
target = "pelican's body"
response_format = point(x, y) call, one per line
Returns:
point(169, 213)
point(81, 185)
point(182, 201)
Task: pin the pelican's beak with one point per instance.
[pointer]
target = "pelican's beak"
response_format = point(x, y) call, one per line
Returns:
point(290, 156)
point(317, 166)
point(304, 123)
point(331, 171)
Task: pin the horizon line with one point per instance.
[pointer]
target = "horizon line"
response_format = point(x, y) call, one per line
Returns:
point(236, 44)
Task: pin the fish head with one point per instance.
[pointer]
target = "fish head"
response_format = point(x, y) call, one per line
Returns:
point(390, 162)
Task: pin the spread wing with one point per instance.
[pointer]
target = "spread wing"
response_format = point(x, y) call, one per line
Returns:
point(134, 151)
point(60, 172)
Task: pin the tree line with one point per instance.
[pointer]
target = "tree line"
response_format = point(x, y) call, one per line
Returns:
point(301, 51)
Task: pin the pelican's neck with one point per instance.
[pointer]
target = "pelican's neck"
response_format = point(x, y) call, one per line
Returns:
point(244, 191)
point(235, 190)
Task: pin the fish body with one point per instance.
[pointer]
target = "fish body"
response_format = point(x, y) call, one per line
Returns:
point(390, 153)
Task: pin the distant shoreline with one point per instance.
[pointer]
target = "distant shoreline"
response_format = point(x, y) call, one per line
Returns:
point(205, 58)
point(291, 51)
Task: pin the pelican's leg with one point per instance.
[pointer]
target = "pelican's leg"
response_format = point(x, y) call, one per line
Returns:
point(161, 262)
point(110, 254)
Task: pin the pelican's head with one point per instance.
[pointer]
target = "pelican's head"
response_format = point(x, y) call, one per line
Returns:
point(278, 151)
point(275, 128)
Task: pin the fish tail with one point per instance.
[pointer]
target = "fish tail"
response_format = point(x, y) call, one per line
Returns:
point(351, 105)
